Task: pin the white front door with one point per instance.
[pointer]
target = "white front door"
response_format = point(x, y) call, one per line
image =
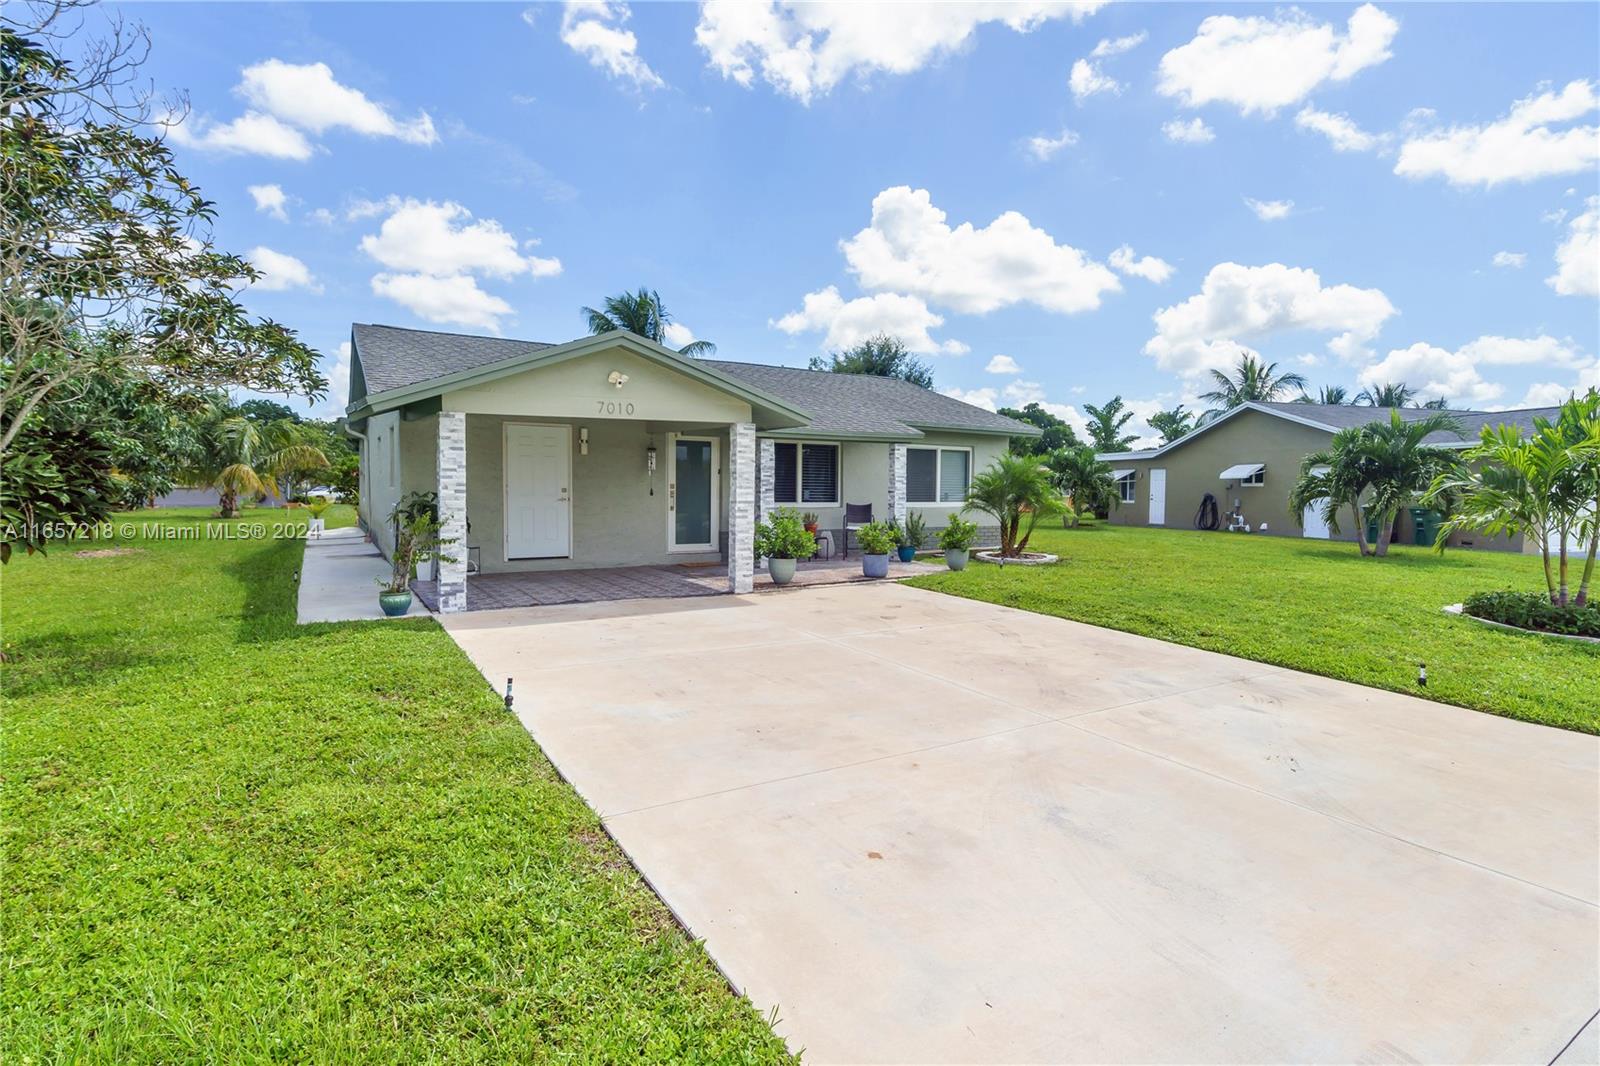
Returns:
point(693, 481)
point(538, 504)
point(1158, 497)
point(1312, 523)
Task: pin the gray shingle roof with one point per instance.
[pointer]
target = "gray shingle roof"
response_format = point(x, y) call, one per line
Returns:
point(860, 403)
point(393, 358)
point(1342, 416)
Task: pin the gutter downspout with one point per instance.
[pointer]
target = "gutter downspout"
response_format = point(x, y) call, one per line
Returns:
point(362, 437)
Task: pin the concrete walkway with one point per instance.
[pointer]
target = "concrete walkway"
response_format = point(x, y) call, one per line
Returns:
point(930, 829)
point(339, 579)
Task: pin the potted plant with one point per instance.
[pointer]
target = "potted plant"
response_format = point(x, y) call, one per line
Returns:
point(957, 539)
point(809, 520)
point(912, 537)
point(318, 507)
point(416, 536)
point(877, 539)
point(781, 542)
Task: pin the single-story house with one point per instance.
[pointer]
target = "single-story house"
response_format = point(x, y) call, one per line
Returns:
point(1249, 458)
point(612, 450)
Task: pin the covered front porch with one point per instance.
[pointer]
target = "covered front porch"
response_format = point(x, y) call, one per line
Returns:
point(494, 592)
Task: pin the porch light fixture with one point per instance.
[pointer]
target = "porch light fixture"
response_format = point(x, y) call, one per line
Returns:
point(617, 378)
point(583, 440)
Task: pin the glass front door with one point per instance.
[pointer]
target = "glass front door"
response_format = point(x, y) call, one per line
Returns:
point(692, 494)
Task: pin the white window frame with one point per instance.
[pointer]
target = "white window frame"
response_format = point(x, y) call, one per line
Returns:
point(938, 471)
point(1256, 480)
point(1128, 488)
point(800, 474)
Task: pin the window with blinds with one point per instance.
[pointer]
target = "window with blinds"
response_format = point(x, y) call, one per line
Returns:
point(938, 475)
point(805, 473)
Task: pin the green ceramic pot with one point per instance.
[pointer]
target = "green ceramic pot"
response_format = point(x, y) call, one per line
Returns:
point(395, 604)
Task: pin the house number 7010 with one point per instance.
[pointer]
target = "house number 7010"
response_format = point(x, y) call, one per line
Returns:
point(613, 407)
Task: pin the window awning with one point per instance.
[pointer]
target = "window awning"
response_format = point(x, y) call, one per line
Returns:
point(1241, 471)
point(1118, 475)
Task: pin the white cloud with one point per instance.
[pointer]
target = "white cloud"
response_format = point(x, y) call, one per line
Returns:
point(678, 335)
point(1195, 131)
point(803, 50)
point(434, 251)
point(1270, 210)
point(1554, 393)
point(1042, 147)
point(1116, 46)
point(250, 134)
point(338, 374)
point(1239, 302)
point(451, 299)
point(1522, 146)
point(281, 271)
point(910, 248)
point(986, 398)
point(308, 96)
point(1341, 131)
point(848, 323)
point(440, 239)
point(1149, 268)
point(1086, 80)
point(1514, 260)
point(1022, 393)
point(271, 200)
point(593, 29)
point(1578, 257)
point(1002, 364)
point(1433, 371)
point(1261, 64)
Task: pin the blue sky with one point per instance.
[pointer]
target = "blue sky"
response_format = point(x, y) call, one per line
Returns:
point(1113, 198)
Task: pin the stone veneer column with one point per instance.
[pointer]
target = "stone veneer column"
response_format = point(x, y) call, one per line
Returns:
point(766, 501)
point(742, 508)
point(452, 483)
point(897, 483)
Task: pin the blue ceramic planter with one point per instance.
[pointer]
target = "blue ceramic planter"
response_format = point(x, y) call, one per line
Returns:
point(875, 565)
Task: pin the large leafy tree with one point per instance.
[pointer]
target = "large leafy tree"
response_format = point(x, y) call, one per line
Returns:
point(1544, 485)
point(107, 268)
point(1105, 426)
point(1017, 491)
point(1054, 432)
point(881, 356)
point(642, 313)
point(1251, 381)
point(1172, 425)
point(1082, 479)
point(1374, 470)
point(237, 455)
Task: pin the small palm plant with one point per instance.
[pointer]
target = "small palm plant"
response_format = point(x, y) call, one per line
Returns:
point(1082, 479)
point(237, 455)
point(1017, 492)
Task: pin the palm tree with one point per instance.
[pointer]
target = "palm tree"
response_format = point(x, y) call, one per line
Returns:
point(1544, 485)
point(1374, 469)
point(642, 313)
point(1018, 492)
point(1395, 394)
point(1252, 382)
point(1082, 479)
point(1330, 395)
point(237, 455)
point(1105, 426)
point(1172, 424)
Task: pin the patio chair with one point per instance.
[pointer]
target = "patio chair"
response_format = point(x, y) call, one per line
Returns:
point(856, 515)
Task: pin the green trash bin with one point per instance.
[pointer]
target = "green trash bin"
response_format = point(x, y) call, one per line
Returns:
point(1372, 531)
point(1425, 524)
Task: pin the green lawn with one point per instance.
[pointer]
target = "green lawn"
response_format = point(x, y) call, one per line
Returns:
point(1311, 605)
point(227, 838)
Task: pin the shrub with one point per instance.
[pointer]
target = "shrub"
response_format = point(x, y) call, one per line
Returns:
point(959, 535)
point(878, 538)
point(786, 537)
point(1530, 610)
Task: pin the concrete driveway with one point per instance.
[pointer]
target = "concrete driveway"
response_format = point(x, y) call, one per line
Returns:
point(933, 830)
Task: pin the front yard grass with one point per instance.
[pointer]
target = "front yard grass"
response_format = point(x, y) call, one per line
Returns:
point(227, 838)
point(1311, 605)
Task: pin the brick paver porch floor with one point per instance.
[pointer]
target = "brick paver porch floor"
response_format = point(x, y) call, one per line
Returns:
point(491, 592)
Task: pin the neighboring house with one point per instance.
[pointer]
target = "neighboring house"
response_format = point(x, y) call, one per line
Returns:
point(1250, 457)
point(615, 451)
